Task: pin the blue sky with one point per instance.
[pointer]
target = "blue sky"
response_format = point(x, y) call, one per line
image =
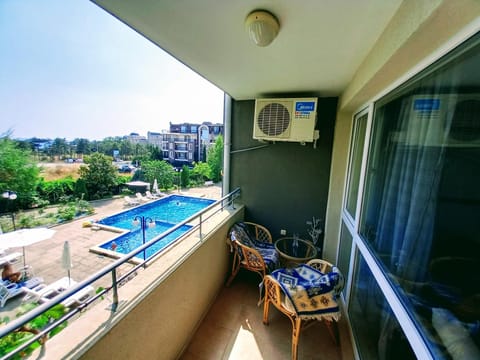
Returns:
point(68, 69)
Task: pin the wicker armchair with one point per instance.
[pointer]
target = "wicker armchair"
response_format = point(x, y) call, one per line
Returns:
point(276, 296)
point(325, 267)
point(252, 249)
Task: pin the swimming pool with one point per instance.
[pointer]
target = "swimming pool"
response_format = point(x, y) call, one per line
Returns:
point(165, 213)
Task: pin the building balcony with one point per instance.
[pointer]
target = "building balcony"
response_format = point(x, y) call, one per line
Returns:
point(178, 307)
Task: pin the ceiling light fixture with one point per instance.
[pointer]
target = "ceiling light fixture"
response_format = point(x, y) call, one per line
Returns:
point(262, 27)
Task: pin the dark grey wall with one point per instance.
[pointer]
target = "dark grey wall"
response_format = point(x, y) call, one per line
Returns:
point(285, 184)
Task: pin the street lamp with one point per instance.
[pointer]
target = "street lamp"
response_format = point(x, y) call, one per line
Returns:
point(144, 221)
point(10, 195)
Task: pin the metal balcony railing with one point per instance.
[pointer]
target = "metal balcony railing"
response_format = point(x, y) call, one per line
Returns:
point(202, 216)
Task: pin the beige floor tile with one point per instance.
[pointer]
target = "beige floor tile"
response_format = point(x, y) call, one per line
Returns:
point(236, 312)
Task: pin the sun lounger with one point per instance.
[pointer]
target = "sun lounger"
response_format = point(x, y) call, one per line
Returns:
point(44, 293)
point(79, 297)
point(9, 289)
point(141, 198)
point(131, 202)
point(151, 196)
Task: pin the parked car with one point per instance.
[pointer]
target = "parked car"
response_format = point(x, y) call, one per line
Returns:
point(126, 168)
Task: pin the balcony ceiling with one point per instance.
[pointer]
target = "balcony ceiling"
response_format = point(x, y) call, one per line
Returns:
point(320, 45)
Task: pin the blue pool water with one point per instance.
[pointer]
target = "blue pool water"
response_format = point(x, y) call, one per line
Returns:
point(165, 212)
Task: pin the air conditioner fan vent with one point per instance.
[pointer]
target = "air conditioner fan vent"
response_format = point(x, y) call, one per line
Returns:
point(273, 119)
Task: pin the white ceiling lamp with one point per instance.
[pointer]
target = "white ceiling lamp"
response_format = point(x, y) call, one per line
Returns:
point(262, 27)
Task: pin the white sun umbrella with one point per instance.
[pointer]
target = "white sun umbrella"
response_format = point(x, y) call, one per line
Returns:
point(155, 186)
point(67, 259)
point(24, 237)
point(138, 184)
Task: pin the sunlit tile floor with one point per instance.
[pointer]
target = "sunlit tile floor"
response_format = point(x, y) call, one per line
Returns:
point(233, 329)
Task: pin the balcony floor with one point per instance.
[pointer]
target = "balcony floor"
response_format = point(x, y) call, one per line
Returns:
point(233, 329)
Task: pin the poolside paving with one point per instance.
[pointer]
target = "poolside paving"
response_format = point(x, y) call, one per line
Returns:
point(45, 256)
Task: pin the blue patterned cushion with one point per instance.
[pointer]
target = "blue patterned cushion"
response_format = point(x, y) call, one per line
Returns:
point(325, 283)
point(269, 255)
point(240, 233)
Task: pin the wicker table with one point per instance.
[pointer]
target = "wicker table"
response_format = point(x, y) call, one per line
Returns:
point(294, 252)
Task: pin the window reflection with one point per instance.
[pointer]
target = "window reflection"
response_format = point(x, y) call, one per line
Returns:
point(422, 201)
point(355, 163)
point(377, 332)
point(344, 250)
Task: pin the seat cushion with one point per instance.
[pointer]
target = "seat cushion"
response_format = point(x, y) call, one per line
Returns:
point(269, 255)
point(239, 233)
point(308, 292)
point(325, 283)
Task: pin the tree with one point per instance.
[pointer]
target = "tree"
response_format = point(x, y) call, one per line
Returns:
point(59, 147)
point(126, 148)
point(110, 144)
point(215, 159)
point(155, 152)
point(160, 170)
point(200, 172)
point(18, 173)
point(100, 176)
point(185, 176)
point(83, 146)
point(80, 189)
point(24, 145)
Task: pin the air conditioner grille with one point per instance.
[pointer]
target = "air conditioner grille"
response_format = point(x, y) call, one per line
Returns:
point(465, 124)
point(273, 119)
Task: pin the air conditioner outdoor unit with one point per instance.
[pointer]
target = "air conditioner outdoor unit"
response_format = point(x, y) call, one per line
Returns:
point(451, 120)
point(285, 120)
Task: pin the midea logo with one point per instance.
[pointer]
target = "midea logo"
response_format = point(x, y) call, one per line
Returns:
point(305, 106)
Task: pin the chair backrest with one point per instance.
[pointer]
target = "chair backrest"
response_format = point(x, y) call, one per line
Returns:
point(253, 253)
point(321, 265)
point(249, 233)
point(259, 232)
point(326, 267)
point(239, 233)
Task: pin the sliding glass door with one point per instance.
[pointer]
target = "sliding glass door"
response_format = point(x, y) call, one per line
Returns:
point(411, 212)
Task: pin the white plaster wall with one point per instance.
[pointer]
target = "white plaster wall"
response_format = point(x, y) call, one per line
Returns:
point(417, 35)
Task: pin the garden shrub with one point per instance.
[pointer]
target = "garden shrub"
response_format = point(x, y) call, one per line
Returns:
point(25, 221)
point(84, 207)
point(80, 189)
point(66, 212)
point(55, 190)
point(14, 339)
point(71, 210)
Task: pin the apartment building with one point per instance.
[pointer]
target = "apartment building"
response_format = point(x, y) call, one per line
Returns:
point(186, 143)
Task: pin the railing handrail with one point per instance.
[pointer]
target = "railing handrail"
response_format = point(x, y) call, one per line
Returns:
point(17, 323)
